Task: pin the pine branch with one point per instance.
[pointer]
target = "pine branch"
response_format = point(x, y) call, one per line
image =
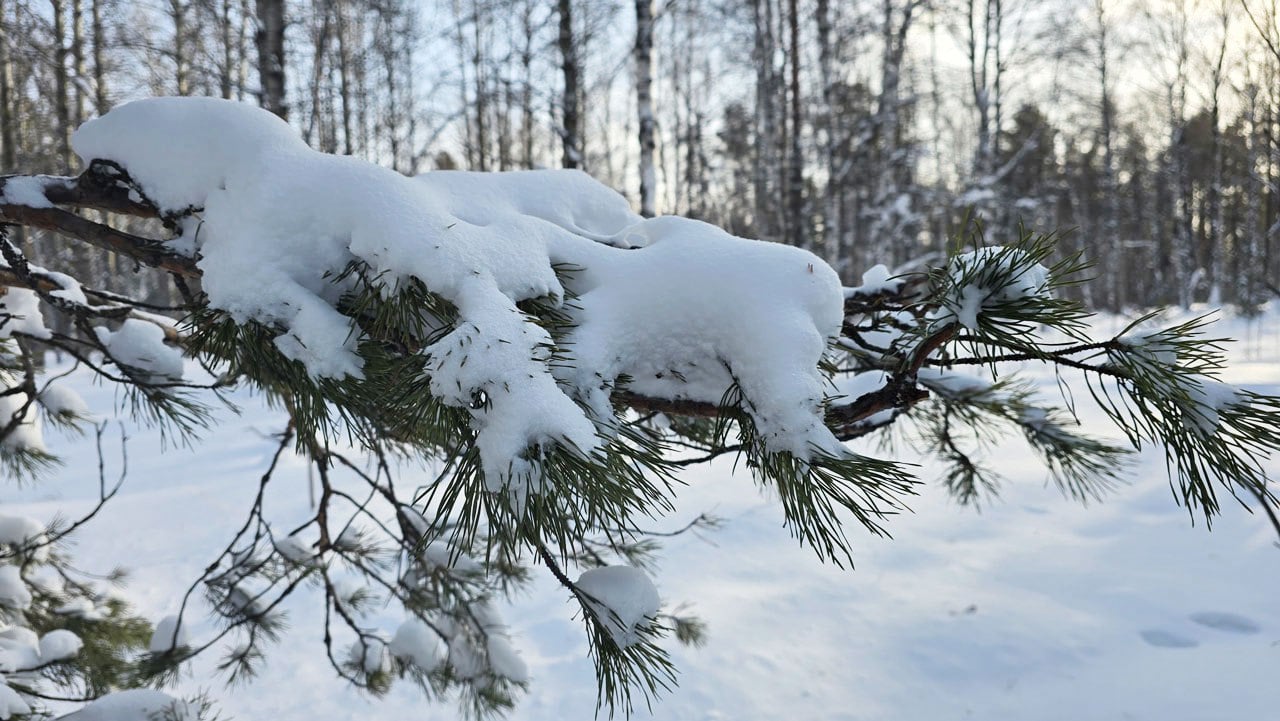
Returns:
point(103, 186)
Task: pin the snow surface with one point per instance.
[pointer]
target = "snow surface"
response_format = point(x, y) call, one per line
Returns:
point(13, 590)
point(952, 383)
point(878, 279)
point(168, 635)
point(439, 554)
point(415, 642)
point(28, 191)
point(19, 649)
point(11, 703)
point(20, 313)
point(59, 645)
point(140, 345)
point(1208, 398)
point(60, 399)
point(135, 704)
point(28, 435)
point(1151, 346)
point(20, 530)
point(81, 608)
point(623, 599)
point(370, 654)
point(296, 550)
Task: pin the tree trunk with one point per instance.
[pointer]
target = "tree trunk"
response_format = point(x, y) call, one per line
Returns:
point(271, 56)
point(831, 231)
point(504, 125)
point(181, 77)
point(644, 105)
point(100, 101)
point(480, 74)
point(526, 90)
point(1107, 248)
point(996, 18)
point(796, 225)
point(1247, 295)
point(1217, 228)
point(470, 150)
point(571, 132)
point(77, 61)
point(344, 78)
point(227, 70)
point(979, 52)
point(889, 235)
point(62, 107)
point(320, 51)
point(8, 125)
point(765, 119)
point(393, 98)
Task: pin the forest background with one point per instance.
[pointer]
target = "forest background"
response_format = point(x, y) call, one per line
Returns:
point(1147, 131)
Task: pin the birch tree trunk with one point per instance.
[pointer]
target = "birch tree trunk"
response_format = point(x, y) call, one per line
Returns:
point(344, 79)
point(226, 66)
point(79, 76)
point(766, 130)
point(1107, 251)
point(644, 104)
point(526, 90)
point(8, 121)
point(796, 225)
point(571, 101)
point(181, 75)
point(100, 98)
point(831, 221)
point(62, 106)
point(271, 55)
point(1216, 231)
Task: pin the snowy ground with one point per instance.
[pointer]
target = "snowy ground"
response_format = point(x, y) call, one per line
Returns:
point(1035, 608)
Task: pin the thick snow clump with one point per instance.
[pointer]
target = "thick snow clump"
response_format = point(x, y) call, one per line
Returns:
point(623, 598)
point(138, 703)
point(168, 635)
point(680, 307)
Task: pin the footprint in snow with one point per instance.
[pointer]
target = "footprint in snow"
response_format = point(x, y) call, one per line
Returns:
point(1229, 622)
point(1167, 639)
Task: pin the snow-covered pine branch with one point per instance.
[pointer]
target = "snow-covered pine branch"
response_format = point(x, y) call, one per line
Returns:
point(564, 358)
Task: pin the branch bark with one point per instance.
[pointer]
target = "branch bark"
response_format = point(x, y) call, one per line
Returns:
point(101, 187)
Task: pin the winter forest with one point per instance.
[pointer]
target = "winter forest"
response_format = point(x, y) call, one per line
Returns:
point(684, 359)
point(1146, 131)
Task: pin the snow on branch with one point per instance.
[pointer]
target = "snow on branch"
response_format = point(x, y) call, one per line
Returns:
point(670, 308)
point(33, 201)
